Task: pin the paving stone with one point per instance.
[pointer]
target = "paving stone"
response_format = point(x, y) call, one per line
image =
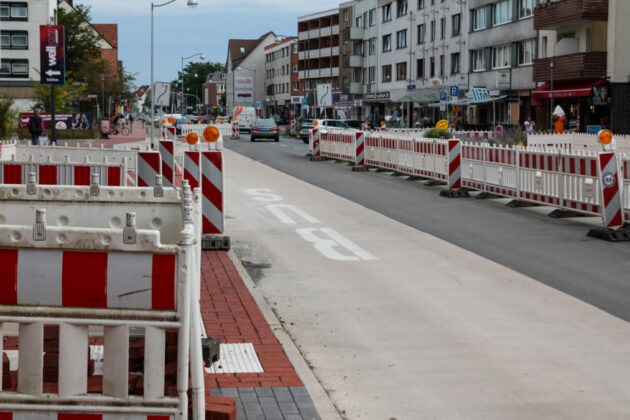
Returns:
point(299, 391)
point(264, 392)
point(255, 416)
point(288, 408)
point(273, 414)
point(252, 409)
point(283, 395)
point(229, 392)
point(293, 417)
point(216, 392)
point(268, 402)
point(248, 397)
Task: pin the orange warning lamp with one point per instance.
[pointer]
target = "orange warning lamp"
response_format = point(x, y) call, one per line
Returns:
point(192, 138)
point(171, 120)
point(315, 123)
point(382, 123)
point(211, 134)
point(234, 120)
point(163, 121)
point(605, 137)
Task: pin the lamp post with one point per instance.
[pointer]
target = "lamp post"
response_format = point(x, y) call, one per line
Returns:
point(203, 57)
point(103, 94)
point(191, 3)
point(551, 66)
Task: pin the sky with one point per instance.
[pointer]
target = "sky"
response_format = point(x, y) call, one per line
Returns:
point(181, 31)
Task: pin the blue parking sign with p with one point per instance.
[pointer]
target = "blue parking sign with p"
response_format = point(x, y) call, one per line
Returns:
point(442, 96)
point(454, 91)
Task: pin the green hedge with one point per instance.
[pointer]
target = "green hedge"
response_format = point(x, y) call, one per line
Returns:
point(434, 133)
point(65, 134)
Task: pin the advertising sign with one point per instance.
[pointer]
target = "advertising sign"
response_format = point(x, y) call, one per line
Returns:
point(244, 96)
point(52, 54)
point(66, 121)
point(244, 83)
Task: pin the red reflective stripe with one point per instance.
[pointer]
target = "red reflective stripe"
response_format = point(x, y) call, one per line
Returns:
point(114, 176)
point(6, 416)
point(47, 175)
point(158, 418)
point(82, 175)
point(163, 282)
point(8, 277)
point(84, 279)
point(79, 416)
point(12, 174)
point(572, 165)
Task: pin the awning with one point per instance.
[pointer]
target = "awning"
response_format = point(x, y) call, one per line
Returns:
point(568, 89)
point(465, 101)
point(424, 94)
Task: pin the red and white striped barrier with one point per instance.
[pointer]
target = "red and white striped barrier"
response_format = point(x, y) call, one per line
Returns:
point(314, 143)
point(192, 169)
point(167, 153)
point(38, 415)
point(212, 191)
point(611, 190)
point(293, 126)
point(235, 129)
point(51, 173)
point(115, 279)
point(149, 165)
point(168, 133)
point(360, 149)
point(626, 187)
point(454, 164)
point(475, 135)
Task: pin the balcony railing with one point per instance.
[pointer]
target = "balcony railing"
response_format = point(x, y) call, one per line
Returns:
point(554, 14)
point(573, 66)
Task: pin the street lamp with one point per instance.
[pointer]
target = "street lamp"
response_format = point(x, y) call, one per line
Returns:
point(551, 66)
point(203, 57)
point(190, 3)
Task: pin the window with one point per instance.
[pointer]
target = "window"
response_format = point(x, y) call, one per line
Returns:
point(295, 86)
point(432, 30)
point(526, 52)
point(359, 22)
point(372, 17)
point(13, 11)
point(442, 65)
point(478, 59)
point(401, 71)
point(401, 39)
point(456, 21)
point(365, 20)
point(502, 12)
point(357, 48)
point(372, 46)
point(14, 68)
point(455, 66)
point(306, 85)
point(421, 33)
point(420, 68)
point(479, 19)
point(402, 8)
point(420, 4)
point(387, 42)
point(526, 8)
point(442, 28)
point(345, 15)
point(387, 12)
point(501, 57)
point(372, 74)
point(432, 67)
point(387, 73)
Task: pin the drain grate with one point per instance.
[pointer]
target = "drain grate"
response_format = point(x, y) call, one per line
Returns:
point(237, 358)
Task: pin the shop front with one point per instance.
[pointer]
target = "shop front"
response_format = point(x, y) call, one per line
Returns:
point(585, 103)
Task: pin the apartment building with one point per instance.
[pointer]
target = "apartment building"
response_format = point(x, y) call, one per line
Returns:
point(318, 61)
point(213, 90)
point(502, 49)
point(245, 79)
point(279, 69)
point(19, 48)
point(582, 49)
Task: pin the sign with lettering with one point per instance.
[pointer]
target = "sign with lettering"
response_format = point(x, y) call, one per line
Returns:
point(52, 54)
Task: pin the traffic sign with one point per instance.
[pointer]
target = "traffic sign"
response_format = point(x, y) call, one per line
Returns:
point(454, 91)
point(442, 96)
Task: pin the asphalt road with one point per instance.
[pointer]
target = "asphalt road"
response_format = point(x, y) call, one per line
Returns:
point(555, 252)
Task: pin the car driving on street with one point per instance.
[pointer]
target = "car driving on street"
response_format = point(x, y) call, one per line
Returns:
point(265, 129)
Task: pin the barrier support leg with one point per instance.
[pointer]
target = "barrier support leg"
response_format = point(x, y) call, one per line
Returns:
point(487, 195)
point(564, 213)
point(73, 365)
point(30, 356)
point(115, 361)
point(515, 204)
point(611, 235)
point(154, 351)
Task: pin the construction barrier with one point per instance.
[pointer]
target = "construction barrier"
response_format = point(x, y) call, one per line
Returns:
point(474, 135)
point(235, 129)
point(53, 173)
point(611, 190)
point(168, 132)
point(167, 153)
point(575, 142)
point(7, 149)
point(313, 143)
point(149, 165)
point(213, 219)
point(116, 267)
point(224, 129)
point(625, 195)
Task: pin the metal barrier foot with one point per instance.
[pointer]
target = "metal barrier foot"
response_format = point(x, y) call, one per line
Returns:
point(610, 235)
point(561, 214)
point(215, 243)
point(317, 158)
point(520, 203)
point(383, 170)
point(454, 193)
point(484, 195)
point(434, 182)
point(397, 174)
point(416, 178)
point(211, 350)
point(360, 169)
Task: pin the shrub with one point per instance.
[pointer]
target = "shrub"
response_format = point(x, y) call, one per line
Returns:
point(434, 133)
point(65, 134)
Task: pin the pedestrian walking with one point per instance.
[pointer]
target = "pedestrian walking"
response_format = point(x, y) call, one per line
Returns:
point(35, 127)
point(130, 123)
point(530, 125)
point(365, 125)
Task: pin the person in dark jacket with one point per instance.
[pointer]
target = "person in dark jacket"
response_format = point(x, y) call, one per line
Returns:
point(35, 127)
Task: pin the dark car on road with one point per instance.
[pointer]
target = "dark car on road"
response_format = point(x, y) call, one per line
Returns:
point(356, 124)
point(265, 129)
point(305, 128)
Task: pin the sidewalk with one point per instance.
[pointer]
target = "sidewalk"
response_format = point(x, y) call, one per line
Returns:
point(137, 134)
point(231, 314)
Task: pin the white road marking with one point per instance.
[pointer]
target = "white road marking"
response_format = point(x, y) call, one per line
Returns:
point(276, 209)
point(284, 145)
point(327, 246)
point(263, 194)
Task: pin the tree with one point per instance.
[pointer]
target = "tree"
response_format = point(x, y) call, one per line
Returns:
point(8, 117)
point(64, 95)
point(81, 39)
point(193, 84)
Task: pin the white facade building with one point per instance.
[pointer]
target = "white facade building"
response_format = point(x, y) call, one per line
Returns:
point(278, 70)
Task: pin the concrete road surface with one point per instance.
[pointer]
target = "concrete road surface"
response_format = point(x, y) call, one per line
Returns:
point(397, 323)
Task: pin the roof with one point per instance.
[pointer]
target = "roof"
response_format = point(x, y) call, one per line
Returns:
point(284, 41)
point(142, 90)
point(217, 76)
point(109, 32)
point(239, 49)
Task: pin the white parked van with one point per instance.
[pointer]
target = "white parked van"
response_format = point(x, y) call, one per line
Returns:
point(246, 116)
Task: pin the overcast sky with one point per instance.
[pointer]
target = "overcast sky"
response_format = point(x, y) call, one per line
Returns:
point(181, 31)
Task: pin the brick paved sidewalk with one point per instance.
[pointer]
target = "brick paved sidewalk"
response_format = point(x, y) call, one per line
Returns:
point(230, 313)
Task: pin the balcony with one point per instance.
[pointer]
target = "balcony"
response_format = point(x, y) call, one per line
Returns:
point(356, 88)
point(355, 34)
point(573, 66)
point(303, 35)
point(564, 12)
point(353, 61)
